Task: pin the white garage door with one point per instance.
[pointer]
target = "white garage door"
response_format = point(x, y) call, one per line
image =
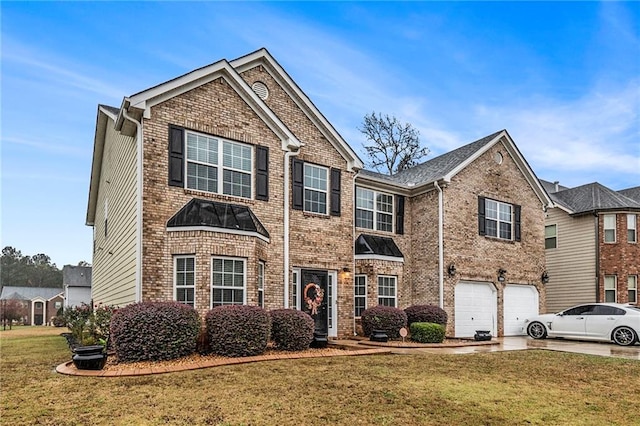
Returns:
point(520, 303)
point(476, 308)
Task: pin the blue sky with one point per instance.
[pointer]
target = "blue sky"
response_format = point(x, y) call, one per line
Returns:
point(562, 77)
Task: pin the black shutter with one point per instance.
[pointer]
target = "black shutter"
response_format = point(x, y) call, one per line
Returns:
point(335, 192)
point(400, 214)
point(262, 173)
point(481, 217)
point(176, 156)
point(516, 221)
point(297, 172)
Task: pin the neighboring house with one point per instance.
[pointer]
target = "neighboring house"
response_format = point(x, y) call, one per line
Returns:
point(76, 281)
point(592, 246)
point(226, 185)
point(42, 303)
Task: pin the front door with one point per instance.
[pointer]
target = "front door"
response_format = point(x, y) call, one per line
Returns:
point(313, 288)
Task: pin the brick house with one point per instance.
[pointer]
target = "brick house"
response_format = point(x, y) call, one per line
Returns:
point(227, 185)
point(591, 244)
point(41, 303)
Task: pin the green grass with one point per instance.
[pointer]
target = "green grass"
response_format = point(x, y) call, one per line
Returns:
point(507, 388)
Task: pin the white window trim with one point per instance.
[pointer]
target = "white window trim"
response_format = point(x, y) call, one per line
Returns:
point(220, 168)
point(604, 228)
point(614, 289)
point(175, 277)
point(498, 220)
point(375, 210)
point(305, 188)
point(244, 273)
point(634, 289)
point(332, 301)
point(262, 267)
point(295, 282)
point(355, 297)
point(555, 236)
point(631, 220)
point(395, 297)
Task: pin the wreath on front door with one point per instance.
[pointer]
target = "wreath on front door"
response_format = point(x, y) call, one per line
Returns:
point(313, 297)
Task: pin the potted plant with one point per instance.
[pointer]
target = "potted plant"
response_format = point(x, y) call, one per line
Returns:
point(378, 334)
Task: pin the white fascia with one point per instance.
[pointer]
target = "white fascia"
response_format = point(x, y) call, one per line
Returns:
point(379, 257)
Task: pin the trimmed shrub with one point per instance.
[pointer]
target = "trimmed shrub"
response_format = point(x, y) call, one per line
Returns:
point(427, 332)
point(426, 313)
point(291, 330)
point(238, 330)
point(386, 318)
point(154, 331)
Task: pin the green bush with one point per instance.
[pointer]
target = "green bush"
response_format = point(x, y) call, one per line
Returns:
point(238, 330)
point(386, 318)
point(291, 330)
point(426, 313)
point(154, 331)
point(427, 332)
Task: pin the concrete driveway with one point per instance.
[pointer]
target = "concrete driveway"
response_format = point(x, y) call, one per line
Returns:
point(523, 342)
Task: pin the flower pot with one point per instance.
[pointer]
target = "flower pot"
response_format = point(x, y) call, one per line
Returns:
point(89, 350)
point(319, 340)
point(89, 357)
point(379, 336)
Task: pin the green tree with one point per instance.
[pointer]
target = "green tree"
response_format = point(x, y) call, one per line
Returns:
point(28, 271)
point(392, 146)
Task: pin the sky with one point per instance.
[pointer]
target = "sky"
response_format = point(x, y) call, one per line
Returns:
point(562, 77)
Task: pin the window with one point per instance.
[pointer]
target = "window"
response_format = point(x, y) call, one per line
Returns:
point(498, 219)
point(610, 288)
point(550, 237)
point(610, 228)
point(294, 290)
point(212, 160)
point(632, 235)
point(184, 280)
point(374, 210)
point(360, 294)
point(315, 189)
point(632, 287)
point(228, 282)
point(58, 305)
point(261, 284)
point(387, 291)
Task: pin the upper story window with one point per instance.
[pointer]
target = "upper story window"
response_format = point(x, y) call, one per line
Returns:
point(550, 236)
point(499, 220)
point(632, 233)
point(184, 279)
point(610, 228)
point(219, 166)
point(374, 210)
point(315, 189)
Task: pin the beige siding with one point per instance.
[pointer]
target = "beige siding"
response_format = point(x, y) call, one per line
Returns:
point(114, 258)
point(572, 265)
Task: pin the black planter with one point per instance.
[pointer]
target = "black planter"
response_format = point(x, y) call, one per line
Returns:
point(319, 340)
point(89, 357)
point(379, 336)
point(482, 335)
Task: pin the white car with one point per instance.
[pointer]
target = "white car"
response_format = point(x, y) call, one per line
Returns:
point(592, 321)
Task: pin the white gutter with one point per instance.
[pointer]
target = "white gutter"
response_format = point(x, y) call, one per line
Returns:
point(440, 246)
point(287, 158)
point(139, 204)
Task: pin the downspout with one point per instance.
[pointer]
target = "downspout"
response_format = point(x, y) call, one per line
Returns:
point(138, 282)
point(287, 160)
point(353, 246)
point(597, 221)
point(440, 245)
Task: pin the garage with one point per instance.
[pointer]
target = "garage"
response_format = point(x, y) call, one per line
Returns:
point(520, 303)
point(476, 308)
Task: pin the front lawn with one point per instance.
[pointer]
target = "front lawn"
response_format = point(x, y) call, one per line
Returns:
point(524, 387)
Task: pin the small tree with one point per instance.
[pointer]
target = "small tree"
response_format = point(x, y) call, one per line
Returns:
point(392, 145)
point(12, 310)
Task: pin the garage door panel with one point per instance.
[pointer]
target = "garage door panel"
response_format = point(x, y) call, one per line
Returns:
point(475, 308)
point(520, 303)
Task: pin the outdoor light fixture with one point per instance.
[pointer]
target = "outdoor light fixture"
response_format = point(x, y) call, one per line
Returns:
point(501, 273)
point(544, 277)
point(346, 270)
point(451, 270)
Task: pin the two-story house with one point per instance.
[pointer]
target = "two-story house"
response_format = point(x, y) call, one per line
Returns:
point(591, 241)
point(227, 185)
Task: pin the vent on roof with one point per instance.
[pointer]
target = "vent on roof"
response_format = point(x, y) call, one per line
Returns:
point(261, 90)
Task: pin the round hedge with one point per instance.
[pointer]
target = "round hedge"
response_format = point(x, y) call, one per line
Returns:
point(154, 331)
point(426, 313)
point(291, 330)
point(238, 330)
point(386, 318)
point(426, 332)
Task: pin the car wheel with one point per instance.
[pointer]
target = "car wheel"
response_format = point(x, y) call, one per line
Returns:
point(537, 330)
point(624, 336)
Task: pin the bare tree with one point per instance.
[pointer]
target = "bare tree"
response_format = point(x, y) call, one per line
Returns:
point(393, 146)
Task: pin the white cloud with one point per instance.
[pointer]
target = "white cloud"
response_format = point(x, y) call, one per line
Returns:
point(50, 145)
